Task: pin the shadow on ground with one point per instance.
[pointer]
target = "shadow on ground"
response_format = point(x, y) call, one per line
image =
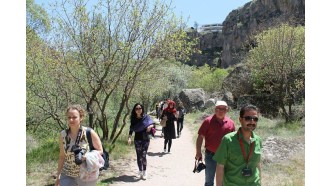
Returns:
point(122, 178)
point(160, 154)
point(158, 136)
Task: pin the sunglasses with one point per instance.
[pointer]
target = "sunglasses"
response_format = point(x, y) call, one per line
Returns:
point(250, 118)
point(138, 108)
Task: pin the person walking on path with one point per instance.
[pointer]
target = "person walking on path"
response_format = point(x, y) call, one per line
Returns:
point(74, 140)
point(163, 106)
point(238, 156)
point(212, 130)
point(157, 108)
point(182, 112)
point(142, 125)
point(169, 129)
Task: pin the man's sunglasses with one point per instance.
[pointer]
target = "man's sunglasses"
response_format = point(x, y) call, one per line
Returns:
point(250, 118)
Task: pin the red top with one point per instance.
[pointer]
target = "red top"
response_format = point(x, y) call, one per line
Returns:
point(213, 131)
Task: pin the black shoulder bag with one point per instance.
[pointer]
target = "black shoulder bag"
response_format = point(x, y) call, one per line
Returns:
point(105, 154)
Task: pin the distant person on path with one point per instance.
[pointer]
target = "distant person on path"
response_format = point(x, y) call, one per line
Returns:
point(157, 108)
point(68, 171)
point(212, 130)
point(182, 112)
point(141, 124)
point(162, 107)
point(239, 153)
point(169, 129)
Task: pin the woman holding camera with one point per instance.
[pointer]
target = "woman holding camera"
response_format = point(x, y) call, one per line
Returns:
point(142, 125)
point(73, 147)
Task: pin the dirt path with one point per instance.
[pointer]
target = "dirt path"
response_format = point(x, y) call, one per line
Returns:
point(163, 168)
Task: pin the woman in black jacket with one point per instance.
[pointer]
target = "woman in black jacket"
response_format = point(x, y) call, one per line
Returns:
point(169, 129)
point(142, 125)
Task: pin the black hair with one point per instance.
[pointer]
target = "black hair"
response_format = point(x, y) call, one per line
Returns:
point(246, 108)
point(133, 113)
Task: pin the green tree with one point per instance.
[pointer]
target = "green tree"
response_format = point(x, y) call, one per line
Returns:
point(40, 85)
point(99, 55)
point(207, 78)
point(278, 65)
point(36, 17)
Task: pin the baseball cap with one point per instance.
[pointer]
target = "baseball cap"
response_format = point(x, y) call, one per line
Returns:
point(221, 103)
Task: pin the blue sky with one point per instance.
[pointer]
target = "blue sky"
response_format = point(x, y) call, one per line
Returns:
point(200, 11)
point(206, 11)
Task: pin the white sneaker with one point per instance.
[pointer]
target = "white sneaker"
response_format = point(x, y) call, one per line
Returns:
point(144, 174)
point(164, 150)
point(140, 174)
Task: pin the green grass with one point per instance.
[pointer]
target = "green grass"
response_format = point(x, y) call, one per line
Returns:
point(41, 163)
point(290, 172)
point(48, 151)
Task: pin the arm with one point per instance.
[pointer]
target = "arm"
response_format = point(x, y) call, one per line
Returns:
point(149, 127)
point(129, 141)
point(96, 142)
point(176, 114)
point(60, 161)
point(199, 143)
point(259, 167)
point(219, 174)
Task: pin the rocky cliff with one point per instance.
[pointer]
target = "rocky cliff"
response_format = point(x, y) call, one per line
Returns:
point(229, 47)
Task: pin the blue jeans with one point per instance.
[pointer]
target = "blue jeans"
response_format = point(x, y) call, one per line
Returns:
point(74, 181)
point(210, 169)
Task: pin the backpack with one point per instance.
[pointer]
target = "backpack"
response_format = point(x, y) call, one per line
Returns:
point(105, 154)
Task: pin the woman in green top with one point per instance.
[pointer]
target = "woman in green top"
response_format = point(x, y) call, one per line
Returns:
point(239, 154)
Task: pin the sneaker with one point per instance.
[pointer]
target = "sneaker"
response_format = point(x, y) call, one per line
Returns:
point(169, 152)
point(144, 174)
point(164, 150)
point(140, 174)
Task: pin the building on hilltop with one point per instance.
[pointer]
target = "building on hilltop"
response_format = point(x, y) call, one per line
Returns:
point(216, 27)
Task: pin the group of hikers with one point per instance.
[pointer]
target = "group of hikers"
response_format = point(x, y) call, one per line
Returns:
point(231, 157)
point(178, 112)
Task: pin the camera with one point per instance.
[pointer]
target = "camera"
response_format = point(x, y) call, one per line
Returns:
point(246, 172)
point(78, 153)
point(201, 166)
